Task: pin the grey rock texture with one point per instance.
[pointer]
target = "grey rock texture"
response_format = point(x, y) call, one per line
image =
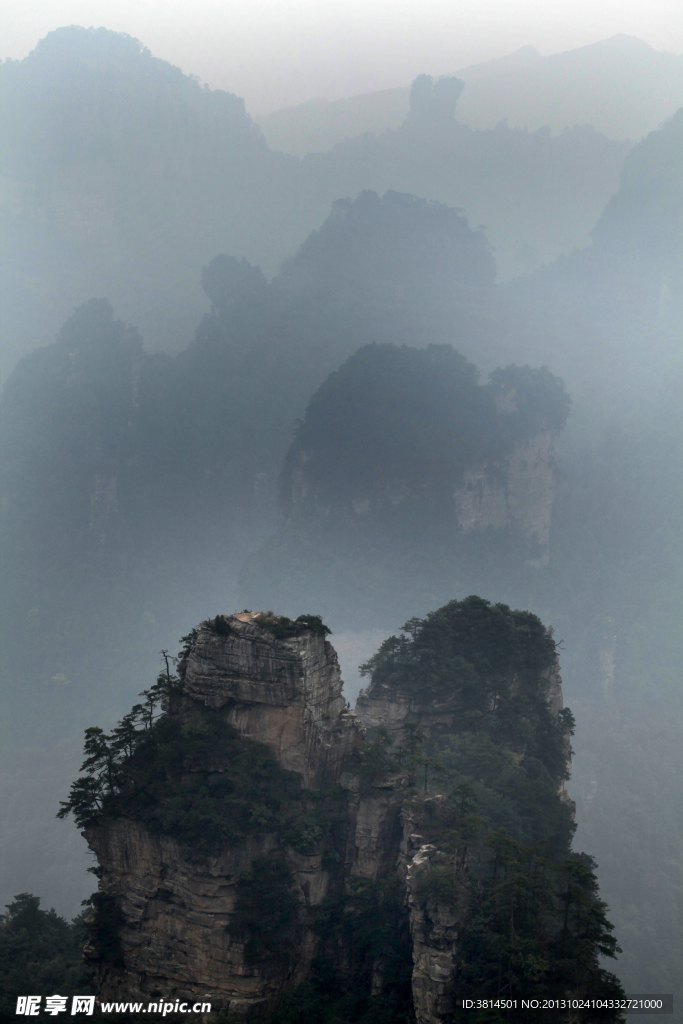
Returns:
point(175, 906)
point(172, 935)
point(434, 928)
point(520, 495)
point(284, 693)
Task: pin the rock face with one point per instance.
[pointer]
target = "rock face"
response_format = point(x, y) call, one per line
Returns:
point(435, 925)
point(172, 933)
point(286, 694)
point(521, 496)
point(173, 911)
point(433, 928)
point(174, 907)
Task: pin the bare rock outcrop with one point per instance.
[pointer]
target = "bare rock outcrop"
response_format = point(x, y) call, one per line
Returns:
point(286, 693)
point(173, 907)
point(434, 926)
point(519, 494)
point(174, 910)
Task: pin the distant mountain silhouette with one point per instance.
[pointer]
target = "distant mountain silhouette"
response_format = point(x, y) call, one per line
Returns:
point(621, 86)
point(537, 195)
point(121, 470)
point(319, 124)
point(123, 177)
point(616, 307)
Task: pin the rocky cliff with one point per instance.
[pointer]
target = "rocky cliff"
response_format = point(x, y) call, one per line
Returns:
point(284, 693)
point(486, 456)
point(174, 909)
point(353, 887)
point(413, 479)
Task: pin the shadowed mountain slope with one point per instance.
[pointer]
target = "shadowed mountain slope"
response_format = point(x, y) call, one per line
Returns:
point(611, 315)
point(123, 471)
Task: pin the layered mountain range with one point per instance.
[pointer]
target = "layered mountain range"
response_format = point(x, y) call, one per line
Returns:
point(123, 177)
point(142, 490)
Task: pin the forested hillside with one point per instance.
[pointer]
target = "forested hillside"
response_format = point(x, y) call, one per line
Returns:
point(408, 479)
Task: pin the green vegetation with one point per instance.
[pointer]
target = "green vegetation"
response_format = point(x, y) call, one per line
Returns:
point(279, 625)
point(305, 834)
point(528, 922)
point(469, 648)
point(370, 924)
point(382, 754)
point(104, 925)
point(284, 628)
point(530, 917)
point(266, 911)
point(40, 952)
point(490, 664)
point(528, 912)
point(533, 399)
point(190, 777)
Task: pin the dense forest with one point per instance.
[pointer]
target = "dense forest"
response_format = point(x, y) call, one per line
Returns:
point(40, 952)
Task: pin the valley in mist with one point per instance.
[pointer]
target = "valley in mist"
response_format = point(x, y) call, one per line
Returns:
point(356, 360)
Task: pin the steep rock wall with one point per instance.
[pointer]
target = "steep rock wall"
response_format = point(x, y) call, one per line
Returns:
point(437, 925)
point(174, 908)
point(176, 911)
point(520, 494)
point(434, 927)
point(284, 693)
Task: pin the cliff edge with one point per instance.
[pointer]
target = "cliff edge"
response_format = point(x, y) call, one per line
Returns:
point(266, 850)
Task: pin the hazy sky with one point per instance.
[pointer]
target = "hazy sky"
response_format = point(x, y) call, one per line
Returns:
point(279, 52)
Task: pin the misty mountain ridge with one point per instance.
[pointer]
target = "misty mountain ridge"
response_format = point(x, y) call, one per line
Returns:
point(137, 486)
point(396, 270)
point(143, 453)
point(124, 177)
point(113, 157)
point(616, 305)
point(319, 124)
point(125, 472)
point(621, 86)
point(408, 479)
